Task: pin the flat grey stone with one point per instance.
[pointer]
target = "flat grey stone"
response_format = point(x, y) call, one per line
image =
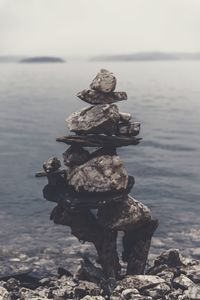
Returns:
point(94, 97)
point(95, 140)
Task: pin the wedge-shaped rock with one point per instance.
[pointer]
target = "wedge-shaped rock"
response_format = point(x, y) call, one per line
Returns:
point(95, 97)
point(95, 119)
point(100, 174)
point(127, 215)
point(95, 140)
point(104, 82)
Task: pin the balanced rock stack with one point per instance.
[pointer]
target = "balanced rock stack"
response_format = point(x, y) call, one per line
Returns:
point(95, 178)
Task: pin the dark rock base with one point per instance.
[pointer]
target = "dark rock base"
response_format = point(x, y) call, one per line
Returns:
point(172, 277)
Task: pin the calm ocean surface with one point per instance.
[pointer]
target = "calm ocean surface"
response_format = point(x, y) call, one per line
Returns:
point(34, 102)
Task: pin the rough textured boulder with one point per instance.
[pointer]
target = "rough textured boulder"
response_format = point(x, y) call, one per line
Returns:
point(95, 119)
point(94, 97)
point(127, 215)
point(100, 174)
point(104, 82)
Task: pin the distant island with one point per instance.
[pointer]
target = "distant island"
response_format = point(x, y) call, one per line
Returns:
point(148, 56)
point(42, 59)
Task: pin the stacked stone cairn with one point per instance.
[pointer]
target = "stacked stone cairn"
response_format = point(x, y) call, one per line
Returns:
point(92, 192)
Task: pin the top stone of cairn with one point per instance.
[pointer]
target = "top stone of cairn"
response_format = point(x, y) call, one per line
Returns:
point(101, 90)
point(104, 82)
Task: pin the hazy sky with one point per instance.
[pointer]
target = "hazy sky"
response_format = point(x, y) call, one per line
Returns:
point(90, 27)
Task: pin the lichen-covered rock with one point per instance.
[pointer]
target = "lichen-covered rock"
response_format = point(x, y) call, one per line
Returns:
point(94, 97)
point(102, 118)
point(104, 82)
point(51, 165)
point(126, 216)
point(100, 174)
point(128, 129)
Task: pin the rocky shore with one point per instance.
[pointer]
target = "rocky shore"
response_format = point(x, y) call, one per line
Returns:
point(171, 277)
